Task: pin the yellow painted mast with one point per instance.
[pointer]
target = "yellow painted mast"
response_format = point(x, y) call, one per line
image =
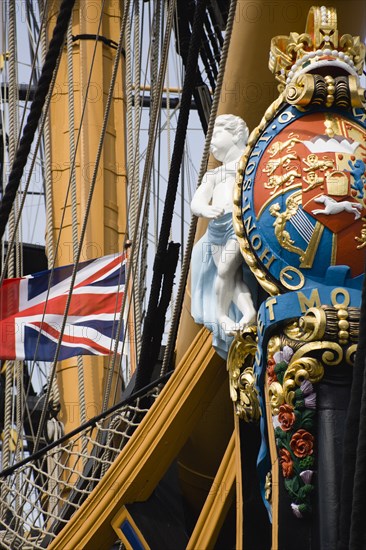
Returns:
point(106, 229)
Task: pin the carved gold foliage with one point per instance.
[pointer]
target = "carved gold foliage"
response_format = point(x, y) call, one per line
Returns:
point(276, 397)
point(351, 354)
point(247, 406)
point(313, 324)
point(331, 352)
point(241, 375)
point(305, 368)
point(268, 487)
point(274, 344)
point(300, 91)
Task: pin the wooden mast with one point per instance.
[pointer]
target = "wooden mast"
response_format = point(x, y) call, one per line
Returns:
point(106, 229)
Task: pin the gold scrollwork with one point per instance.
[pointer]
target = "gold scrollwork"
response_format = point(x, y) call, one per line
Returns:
point(241, 375)
point(313, 323)
point(268, 487)
point(351, 354)
point(301, 91)
point(276, 397)
point(247, 407)
point(305, 368)
point(331, 352)
point(274, 344)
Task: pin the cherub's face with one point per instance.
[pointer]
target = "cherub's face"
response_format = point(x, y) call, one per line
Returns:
point(311, 176)
point(312, 158)
point(221, 143)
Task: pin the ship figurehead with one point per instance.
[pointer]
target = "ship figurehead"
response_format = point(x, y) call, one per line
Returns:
point(300, 217)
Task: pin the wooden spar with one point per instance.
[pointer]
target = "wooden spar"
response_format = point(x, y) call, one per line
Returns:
point(248, 89)
point(106, 229)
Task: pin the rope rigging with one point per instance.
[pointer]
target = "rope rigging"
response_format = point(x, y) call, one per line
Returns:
point(150, 340)
point(169, 350)
point(160, 71)
point(35, 113)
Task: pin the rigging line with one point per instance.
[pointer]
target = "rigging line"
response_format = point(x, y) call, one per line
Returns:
point(149, 157)
point(36, 455)
point(136, 246)
point(11, 373)
point(35, 113)
point(137, 243)
point(153, 129)
point(169, 349)
point(46, 169)
point(179, 193)
point(24, 196)
point(32, 50)
point(13, 127)
point(86, 216)
point(33, 161)
point(163, 127)
point(212, 38)
point(136, 171)
point(73, 161)
point(68, 188)
point(132, 181)
point(147, 359)
point(33, 69)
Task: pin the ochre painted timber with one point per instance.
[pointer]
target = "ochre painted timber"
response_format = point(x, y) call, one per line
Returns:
point(217, 504)
point(275, 470)
point(157, 441)
point(106, 229)
point(119, 518)
point(239, 484)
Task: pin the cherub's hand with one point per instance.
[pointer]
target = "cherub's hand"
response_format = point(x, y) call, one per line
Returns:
point(212, 212)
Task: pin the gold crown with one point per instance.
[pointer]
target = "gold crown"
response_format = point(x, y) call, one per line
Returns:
point(318, 46)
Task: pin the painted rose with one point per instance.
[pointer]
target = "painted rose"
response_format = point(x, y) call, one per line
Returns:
point(286, 463)
point(271, 375)
point(302, 443)
point(286, 417)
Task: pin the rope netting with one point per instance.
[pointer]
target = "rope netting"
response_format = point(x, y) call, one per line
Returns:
point(38, 498)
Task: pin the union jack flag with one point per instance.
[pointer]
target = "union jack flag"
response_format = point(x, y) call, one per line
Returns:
point(32, 310)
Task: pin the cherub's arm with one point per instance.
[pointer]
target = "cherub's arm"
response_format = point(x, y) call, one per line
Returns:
point(200, 204)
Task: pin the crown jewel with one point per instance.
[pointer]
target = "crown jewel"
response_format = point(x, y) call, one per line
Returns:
point(319, 46)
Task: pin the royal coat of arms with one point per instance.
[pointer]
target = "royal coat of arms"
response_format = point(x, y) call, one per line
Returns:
point(304, 195)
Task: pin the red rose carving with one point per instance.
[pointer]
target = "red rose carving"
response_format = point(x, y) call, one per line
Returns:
point(271, 375)
point(302, 443)
point(286, 417)
point(286, 463)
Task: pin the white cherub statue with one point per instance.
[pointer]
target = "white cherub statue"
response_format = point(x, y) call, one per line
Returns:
point(221, 300)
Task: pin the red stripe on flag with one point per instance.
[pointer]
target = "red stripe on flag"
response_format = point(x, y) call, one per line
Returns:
point(103, 270)
point(9, 298)
point(49, 330)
